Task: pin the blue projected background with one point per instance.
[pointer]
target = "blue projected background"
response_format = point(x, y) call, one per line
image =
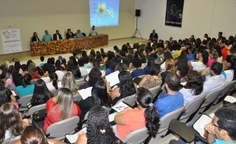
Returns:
point(104, 12)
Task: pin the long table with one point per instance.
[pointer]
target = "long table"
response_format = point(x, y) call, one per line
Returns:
point(68, 46)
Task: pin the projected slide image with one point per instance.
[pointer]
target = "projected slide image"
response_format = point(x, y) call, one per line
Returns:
point(104, 12)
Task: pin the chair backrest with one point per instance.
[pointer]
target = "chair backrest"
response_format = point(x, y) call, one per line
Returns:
point(130, 100)
point(125, 98)
point(192, 106)
point(211, 97)
point(165, 120)
point(136, 137)
point(59, 129)
point(155, 90)
point(35, 109)
point(24, 100)
point(226, 89)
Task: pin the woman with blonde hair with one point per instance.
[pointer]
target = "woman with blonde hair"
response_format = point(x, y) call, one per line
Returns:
point(60, 107)
point(68, 81)
point(170, 68)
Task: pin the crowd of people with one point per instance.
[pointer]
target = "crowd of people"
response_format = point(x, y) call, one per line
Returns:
point(204, 65)
point(57, 36)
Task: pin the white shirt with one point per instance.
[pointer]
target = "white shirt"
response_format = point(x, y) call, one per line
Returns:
point(60, 74)
point(229, 75)
point(213, 82)
point(188, 95)
point(198, 66)
point(83, 71)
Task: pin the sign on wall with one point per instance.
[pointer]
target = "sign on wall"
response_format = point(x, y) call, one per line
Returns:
point(11, 40)
point(174, 12)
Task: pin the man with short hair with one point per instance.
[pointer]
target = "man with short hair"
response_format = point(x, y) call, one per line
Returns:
point(215, 80)
point(222, 129)
point(47, 37)
point(57, 35)
point(153, 37)
point(173, 100)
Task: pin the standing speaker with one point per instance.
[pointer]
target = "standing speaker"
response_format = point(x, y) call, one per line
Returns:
point(137, 12)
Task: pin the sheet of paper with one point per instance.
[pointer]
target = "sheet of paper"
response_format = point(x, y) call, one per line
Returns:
point(120, 106)
point(13, 93)
point(113, 78)
point(73, 138)
point(200, 124)
point(112, 116)
point(230, 99)
point(85, 93)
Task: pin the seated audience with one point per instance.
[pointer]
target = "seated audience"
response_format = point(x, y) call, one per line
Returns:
point(71, 66)
point(138, 71)
point(223, 127)
point(144, 115)
point(201, 64)
point(41, 93)
point(26, 88)
point(215, 80)
point(173, 99)
point(152, 80)
point(32, 134)
point(11, 123)
point(125, 87)
point(99, 97)
point(193, 87)
point(94, 75)
point(6, 96)
point(60, 107)
point(169, 68)
point(99, 130)
point(230, 68)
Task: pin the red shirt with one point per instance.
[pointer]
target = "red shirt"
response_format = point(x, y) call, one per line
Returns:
point(225, 53)
point(134, 119)
point(54, 116)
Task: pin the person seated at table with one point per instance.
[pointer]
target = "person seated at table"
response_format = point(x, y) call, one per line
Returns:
point(144, 115)
point(69, 34)
point(99, 130)
point(35, 38)
point(93, 32)
point(78, 34)
point(60, 108)
point(57, 35)
point(46, 37)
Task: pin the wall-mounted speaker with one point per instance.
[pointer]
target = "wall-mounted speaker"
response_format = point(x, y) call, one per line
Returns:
point(137, 12)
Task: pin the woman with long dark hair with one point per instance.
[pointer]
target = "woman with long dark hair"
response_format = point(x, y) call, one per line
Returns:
point(26, 88)
point(11, 123)
point(126, 87)
point(99, 130)
point(193, 87)
point(144, 115)
point(41, 93)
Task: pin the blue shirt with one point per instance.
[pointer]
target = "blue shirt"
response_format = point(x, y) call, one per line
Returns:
point(191, 57)
point(137, 72)
point(24, 91)
point(80, 35)
point(47, 38)
point(218, 141)
point(167, 103)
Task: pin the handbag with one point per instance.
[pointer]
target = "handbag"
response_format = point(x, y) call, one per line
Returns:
point(39, 115)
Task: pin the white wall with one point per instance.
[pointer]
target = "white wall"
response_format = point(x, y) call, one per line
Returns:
point(199, 17)
point(32, 15)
